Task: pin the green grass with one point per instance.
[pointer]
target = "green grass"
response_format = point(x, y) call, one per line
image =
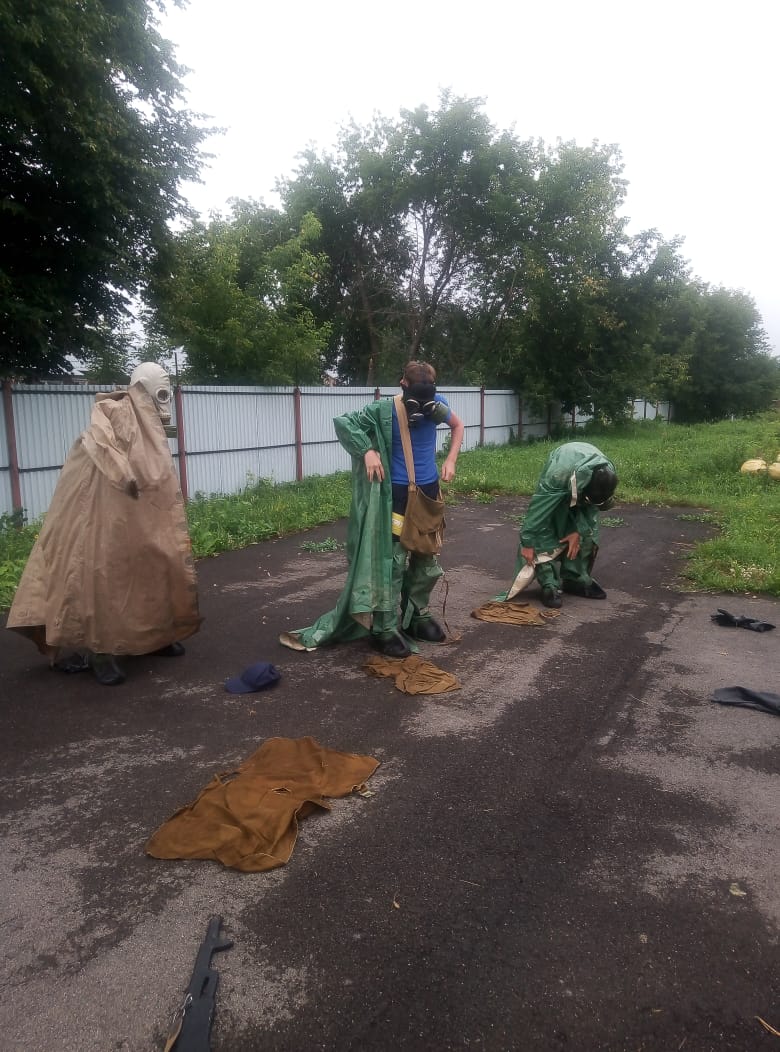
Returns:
point(264, 510)
point(329, 544)
point(693, 467)
point(16, 543)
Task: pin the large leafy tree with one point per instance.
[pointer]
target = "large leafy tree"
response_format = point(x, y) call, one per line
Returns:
point(236, 293)
point(554, 280)
point(730, 370)
point(451, 163)
point(94, 143)
point(362, 238)
point(404, 207)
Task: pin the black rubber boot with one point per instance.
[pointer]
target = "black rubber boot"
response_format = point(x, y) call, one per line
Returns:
point(172, 650)
point(427, 630)
point(391, 644)
point(73, 663)
point(585, 591)
point(551, 598)
point(106, 670)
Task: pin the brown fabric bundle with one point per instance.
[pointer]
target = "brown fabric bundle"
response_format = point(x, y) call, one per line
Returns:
point(413, 675)
point(511, 613)
point(248, 819)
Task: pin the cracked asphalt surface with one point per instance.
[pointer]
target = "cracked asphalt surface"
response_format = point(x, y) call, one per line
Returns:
point(576, 850)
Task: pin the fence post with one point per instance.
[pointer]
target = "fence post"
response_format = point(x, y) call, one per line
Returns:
point(482, 415)
point(377, 394)
point(10, 437)
point(298, 435)
point(181, 442)
point(520, 418)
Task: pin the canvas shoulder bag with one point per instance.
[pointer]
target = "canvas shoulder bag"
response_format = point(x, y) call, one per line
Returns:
point(423, 526)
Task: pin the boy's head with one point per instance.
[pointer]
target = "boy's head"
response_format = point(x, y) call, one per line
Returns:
point(419, 391)
point(418, 373)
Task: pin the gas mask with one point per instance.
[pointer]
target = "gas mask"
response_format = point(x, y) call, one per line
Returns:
point(600, 490)
point(158, 384)
point(420, 402)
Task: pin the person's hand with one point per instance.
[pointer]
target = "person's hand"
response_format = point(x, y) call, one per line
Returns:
point(528, 555)
point(374, 468)
point(572, 542)
point(448, 470)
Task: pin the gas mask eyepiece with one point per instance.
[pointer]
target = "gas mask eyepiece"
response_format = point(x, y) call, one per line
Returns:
point(419, 401)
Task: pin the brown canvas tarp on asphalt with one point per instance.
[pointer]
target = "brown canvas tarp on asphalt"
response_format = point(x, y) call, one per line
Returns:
point(248, 819)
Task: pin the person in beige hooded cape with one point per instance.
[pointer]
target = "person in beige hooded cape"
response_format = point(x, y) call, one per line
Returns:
point(112, 571)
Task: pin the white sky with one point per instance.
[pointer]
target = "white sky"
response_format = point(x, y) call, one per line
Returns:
point(687, 89)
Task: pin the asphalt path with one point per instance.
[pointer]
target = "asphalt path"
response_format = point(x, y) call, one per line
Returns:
point(577, 849)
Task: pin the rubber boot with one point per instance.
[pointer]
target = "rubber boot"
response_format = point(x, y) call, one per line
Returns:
point(548, 575)
point(552, 597)
point(106, 670)
point(385, 630)
point(586, 590)
point(427, 629)
point(391, 644)
point(421, 576)
point(172, 650)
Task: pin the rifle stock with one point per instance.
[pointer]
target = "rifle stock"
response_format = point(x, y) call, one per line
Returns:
point(191, 1025)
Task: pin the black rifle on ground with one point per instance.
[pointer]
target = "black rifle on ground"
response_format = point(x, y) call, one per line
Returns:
point(191, 1024)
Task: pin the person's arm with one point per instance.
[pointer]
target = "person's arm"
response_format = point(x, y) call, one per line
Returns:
point(108, 440)
point(456, 441)
point(354, 431)
point(374, 467)
point(572, 542)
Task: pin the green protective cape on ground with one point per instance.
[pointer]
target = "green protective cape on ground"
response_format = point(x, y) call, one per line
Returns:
point(368, 587)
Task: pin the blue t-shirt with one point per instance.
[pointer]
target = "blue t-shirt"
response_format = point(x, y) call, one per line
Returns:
point(423, 450)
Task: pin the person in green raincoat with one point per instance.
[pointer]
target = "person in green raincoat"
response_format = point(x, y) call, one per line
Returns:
point(387, 591)
point(560, 532)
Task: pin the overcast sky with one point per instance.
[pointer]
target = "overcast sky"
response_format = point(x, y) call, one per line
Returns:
point(687, 89)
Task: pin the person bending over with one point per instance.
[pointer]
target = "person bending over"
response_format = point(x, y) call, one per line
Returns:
point(560, 532)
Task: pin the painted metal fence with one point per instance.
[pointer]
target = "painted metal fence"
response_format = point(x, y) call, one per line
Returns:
point(229, 436)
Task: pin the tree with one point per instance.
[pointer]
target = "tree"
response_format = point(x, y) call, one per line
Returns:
point(731, 371)
point(357, 295)
point(236, 293)
point(404, 207)
point(553, 280)
point(648, 279)
point(94, 143)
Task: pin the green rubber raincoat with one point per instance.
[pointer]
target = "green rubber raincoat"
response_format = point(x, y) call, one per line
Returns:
point(368, 589)
point(557, 509)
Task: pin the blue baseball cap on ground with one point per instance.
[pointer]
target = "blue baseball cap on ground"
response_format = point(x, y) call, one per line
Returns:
point(256, 677)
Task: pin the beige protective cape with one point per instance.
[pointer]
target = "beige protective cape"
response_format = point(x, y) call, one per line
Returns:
point(110, 572)
point(248, 819)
